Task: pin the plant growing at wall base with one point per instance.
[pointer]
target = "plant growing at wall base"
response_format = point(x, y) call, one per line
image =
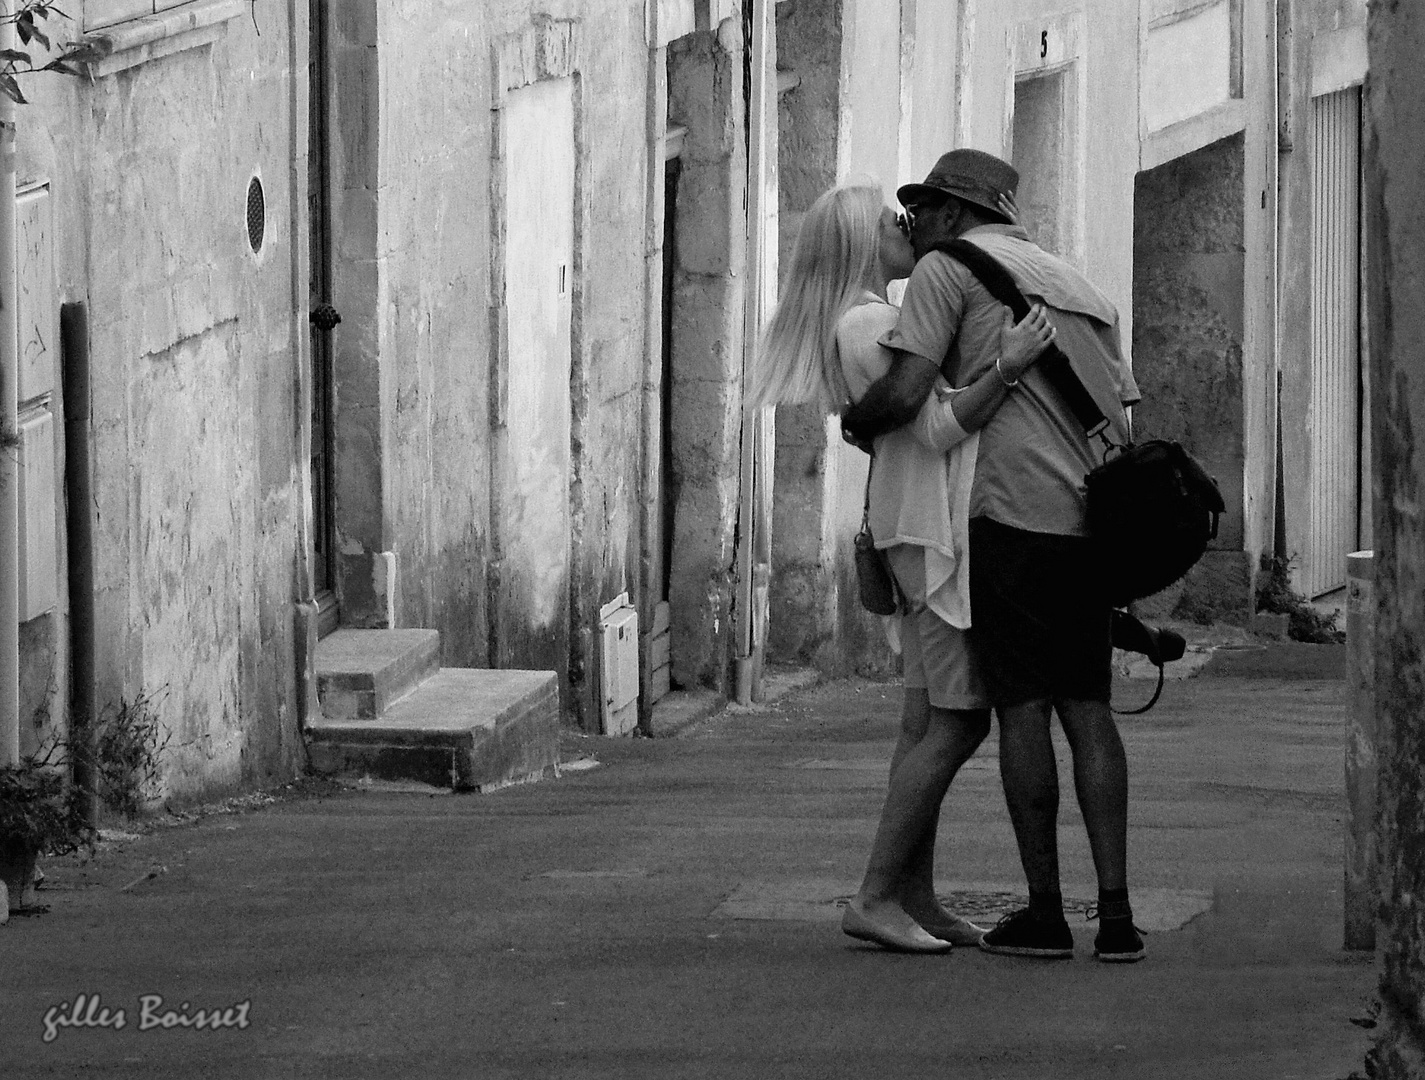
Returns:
point(129, 747)
point(1275, 594)
point(41, 813)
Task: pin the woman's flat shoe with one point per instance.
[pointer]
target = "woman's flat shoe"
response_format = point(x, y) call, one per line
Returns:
point(955, 930)
point(855, 923)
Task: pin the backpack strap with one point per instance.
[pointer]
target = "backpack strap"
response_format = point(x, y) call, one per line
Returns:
point(1052, 362)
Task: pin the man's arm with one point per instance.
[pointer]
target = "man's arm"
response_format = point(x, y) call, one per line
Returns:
point(892, 400)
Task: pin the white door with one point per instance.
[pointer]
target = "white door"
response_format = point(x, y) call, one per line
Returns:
point(1335, 341)
point(538, 140)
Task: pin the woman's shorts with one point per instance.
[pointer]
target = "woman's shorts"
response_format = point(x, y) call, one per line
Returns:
point(935, 655)
point(1041, 627)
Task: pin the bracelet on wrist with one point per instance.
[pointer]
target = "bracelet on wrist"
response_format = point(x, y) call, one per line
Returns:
point(1000, 372)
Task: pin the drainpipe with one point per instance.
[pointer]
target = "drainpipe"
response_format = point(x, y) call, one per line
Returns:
point(9, 472)
point(79, 532)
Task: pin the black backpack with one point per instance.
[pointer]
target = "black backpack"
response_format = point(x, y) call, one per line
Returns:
point(1152, 511)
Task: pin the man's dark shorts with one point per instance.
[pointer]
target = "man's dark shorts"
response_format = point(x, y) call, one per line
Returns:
point(1039, 624)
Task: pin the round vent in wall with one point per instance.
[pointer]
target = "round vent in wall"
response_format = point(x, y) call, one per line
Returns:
point(256, 215)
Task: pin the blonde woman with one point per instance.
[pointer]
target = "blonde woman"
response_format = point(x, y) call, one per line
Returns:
point(823, 347)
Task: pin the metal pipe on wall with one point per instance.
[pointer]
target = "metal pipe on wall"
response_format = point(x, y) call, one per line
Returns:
point(9, 407)
point(79, 531)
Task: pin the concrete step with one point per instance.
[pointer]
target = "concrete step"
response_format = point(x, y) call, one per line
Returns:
point(361, 673)
point(467, 728)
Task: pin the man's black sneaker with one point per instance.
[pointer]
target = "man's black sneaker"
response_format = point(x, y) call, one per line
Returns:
point(1025, 933)
point(1118, 940)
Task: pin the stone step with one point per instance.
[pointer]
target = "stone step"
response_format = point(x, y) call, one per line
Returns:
point(467, 728)
point(361, 673)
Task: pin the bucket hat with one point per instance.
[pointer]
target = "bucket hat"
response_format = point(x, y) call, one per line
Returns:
point(972, 175)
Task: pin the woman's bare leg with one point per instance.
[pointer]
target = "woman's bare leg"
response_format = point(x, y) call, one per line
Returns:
point(921, 773)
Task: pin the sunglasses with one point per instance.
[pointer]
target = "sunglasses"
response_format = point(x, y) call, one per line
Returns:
point(906, 221)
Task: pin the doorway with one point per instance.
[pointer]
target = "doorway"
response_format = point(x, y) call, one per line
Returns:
point(1041, 149)
point(323, 315)
point(532, 610)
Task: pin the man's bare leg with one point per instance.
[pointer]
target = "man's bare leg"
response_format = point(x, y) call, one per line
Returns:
point(1030, 777)
point(1031, 791)
point(1101, 783)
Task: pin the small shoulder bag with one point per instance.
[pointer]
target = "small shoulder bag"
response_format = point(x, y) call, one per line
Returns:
point(873, 571)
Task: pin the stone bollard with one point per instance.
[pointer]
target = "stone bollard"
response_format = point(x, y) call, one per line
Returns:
point(1362, 901)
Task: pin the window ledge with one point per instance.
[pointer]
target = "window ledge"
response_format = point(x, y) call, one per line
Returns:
point(149, 37)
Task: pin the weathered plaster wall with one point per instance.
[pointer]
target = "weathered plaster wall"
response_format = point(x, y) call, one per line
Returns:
point(1188, 264)
point(870, 118)
point(1338, 14)
point(610, 289)
point(1395, 209)
point(930, 41)
point(198, 479)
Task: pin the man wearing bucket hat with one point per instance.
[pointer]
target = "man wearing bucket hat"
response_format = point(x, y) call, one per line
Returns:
point(1039, 631)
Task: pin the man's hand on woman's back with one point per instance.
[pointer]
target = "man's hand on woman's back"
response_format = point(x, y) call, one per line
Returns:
point(892, 401)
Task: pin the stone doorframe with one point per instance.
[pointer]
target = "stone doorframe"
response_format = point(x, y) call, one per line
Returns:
point(364, 568)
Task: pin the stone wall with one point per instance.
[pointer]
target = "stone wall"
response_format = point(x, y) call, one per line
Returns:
point(1188, 262)
point(1395, 215)
point(705, 95)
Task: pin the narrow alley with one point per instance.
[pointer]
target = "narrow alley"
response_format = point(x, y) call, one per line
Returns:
point(672, 912)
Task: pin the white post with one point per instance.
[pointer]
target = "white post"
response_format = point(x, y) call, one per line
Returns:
point(9, 403)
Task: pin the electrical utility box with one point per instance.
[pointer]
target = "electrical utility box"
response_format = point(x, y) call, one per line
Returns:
point(618, 638)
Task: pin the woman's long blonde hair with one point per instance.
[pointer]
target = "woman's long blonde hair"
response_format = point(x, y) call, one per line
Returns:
point(833, 264)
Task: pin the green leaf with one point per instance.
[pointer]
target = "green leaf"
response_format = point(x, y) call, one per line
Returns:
point(62, 67)
point(39, 36)
point(14, 56)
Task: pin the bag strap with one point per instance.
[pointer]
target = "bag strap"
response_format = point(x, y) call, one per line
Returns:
point(1151, 701)
point(1052, 362)
point(866, 506)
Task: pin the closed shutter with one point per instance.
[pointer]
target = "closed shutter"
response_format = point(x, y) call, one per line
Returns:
point(1335, 341)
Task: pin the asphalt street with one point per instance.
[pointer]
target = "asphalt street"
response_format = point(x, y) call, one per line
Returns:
point(668, 908)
